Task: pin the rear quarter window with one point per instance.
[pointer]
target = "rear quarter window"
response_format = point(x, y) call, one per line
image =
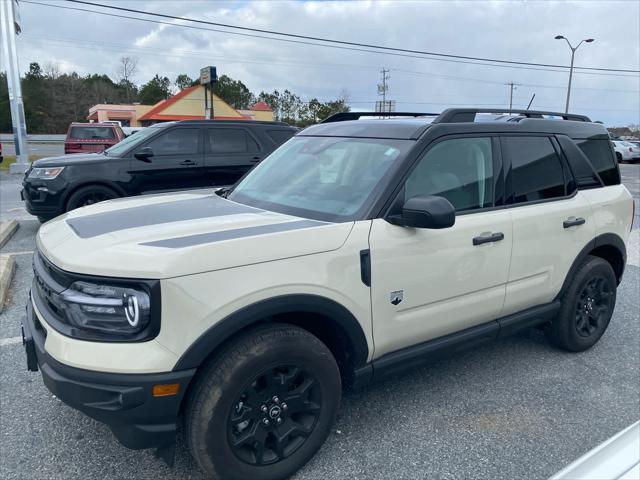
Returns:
point(92, 133)
point(600, 154)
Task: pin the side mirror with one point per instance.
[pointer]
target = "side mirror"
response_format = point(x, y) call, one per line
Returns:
point(425, 211)
point(144, 154)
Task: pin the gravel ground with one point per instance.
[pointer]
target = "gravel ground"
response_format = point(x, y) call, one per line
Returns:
point(516, 408)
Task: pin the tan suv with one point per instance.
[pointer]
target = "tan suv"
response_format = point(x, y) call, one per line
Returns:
point(358, 248)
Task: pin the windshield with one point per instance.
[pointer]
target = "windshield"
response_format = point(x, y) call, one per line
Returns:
point(121, 147)
point(324, 178)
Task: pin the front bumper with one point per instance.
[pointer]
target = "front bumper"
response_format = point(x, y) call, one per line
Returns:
point(43, 199)
point(123, 402)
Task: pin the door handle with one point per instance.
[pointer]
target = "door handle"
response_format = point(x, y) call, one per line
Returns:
point(492, 237)
point(188, 163)
point(573, 222)
point(255, 160)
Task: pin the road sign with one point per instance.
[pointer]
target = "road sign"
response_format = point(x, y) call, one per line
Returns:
point(208, 75)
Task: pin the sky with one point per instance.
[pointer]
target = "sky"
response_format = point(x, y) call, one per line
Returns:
point(511, 30)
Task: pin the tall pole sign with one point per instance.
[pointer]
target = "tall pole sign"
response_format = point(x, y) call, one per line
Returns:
point(208, 76)
point(10, 23)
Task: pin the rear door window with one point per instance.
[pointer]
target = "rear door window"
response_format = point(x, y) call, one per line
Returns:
point(92, 133)
point(230, 140)
point(536, 169)
point(600, 154)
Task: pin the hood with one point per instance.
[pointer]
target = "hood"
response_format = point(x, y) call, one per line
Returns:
point(72, 159)
point(169, 235)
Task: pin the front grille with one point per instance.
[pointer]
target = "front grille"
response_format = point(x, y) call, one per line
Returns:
point(48, 283)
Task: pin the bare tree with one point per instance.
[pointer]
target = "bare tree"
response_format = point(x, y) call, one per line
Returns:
point(126, 71)
point(51, 70)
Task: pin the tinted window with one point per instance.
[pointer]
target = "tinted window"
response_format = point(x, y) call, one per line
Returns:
point(280, 136)
point(536, 169)
point(179, 141)
point(230, 140)
point(92, 133)
point(601, 157)
point(460, 170)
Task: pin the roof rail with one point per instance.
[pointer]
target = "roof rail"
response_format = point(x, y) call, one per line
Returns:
point(344, 116)
point(459, 115)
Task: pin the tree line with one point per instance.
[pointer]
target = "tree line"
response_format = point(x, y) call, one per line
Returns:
point(52, 100)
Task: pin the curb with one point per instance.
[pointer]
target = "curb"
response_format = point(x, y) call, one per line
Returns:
point(7, 267)
point(7, 229)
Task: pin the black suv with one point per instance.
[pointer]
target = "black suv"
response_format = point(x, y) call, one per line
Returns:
point(164, 157)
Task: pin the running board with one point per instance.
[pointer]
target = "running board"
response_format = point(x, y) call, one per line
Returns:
point(441, 347)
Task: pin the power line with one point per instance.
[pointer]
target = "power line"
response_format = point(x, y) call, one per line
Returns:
point(310, 43)
point(344, 42)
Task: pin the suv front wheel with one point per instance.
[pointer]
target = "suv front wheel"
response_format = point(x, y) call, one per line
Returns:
point(587, 306)
point(89, 195)
point(262, 407)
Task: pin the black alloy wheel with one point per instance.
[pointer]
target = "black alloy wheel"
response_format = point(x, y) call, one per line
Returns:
point(593, 306)
point(274, 415)
point(262, 406)
point(89, 195)
point(587, 304)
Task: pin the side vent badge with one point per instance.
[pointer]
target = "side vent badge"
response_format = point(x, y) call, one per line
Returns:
point(396, 297)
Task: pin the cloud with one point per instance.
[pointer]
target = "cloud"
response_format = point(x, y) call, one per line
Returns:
point(509, 30)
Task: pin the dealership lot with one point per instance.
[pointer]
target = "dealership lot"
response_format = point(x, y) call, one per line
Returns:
point(498, 411)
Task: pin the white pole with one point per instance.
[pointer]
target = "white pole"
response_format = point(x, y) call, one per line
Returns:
point(7, 15)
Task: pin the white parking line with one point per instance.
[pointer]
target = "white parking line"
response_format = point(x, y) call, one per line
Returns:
point(10, 341)
point(26, 252)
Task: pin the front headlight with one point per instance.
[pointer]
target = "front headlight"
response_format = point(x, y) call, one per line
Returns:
point(105, 308)
point(48, 173)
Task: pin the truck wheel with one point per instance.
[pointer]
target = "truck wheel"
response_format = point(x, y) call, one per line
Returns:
point(262, 407)
point(89, 195)
point(587, 306)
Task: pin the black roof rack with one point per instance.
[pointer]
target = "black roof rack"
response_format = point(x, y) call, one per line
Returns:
point(344, 116)
point(459, 115)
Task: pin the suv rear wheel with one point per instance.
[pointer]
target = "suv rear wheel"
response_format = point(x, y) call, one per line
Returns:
point(263, 407)
point(587, 306)
point(89, 195)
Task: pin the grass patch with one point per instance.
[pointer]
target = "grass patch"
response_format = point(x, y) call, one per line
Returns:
point(9, 159)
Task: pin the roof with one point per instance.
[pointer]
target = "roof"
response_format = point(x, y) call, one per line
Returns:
point(387, 128)
point(413, 125)
point(155, 112)
point(161, 105)
point(261, 107)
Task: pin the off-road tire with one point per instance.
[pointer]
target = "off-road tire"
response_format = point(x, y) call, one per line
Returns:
point(570, 331)
point(88, 195)
point(213, 404)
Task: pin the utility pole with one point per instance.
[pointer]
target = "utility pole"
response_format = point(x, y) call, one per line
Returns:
point(383, 88)
point(9, 23)
point(573, 54)
point(512, 86)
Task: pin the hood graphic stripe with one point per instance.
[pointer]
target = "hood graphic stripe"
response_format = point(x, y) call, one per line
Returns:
point(145, 215)
point(202, 238)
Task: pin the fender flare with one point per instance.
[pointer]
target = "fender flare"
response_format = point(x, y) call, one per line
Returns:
point(258, 312)
point(604, 240)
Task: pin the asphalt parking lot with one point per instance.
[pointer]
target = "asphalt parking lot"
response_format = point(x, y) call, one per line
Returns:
point(513, 409)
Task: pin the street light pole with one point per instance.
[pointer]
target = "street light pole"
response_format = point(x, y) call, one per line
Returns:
point(573, 54)
point(8, 23)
